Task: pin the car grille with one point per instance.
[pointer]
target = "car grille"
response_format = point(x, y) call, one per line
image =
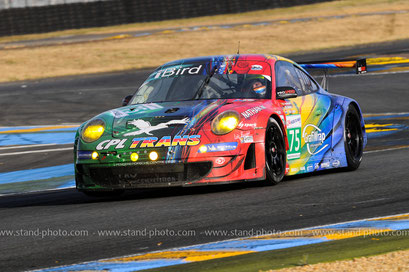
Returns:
point(157, 175)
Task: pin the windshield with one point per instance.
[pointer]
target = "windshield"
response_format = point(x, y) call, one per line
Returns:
point(198, 81)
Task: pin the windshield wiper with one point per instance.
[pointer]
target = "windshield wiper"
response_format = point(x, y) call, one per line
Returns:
point(205, 82)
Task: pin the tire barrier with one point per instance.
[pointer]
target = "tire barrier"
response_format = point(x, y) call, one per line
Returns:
point(42, 19)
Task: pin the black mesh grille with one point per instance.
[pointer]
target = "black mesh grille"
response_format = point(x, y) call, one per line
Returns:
point(157, 175)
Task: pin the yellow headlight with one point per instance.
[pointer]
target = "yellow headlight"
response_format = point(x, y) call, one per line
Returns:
point(93, 130)
point(225, 122)
point(134, 157)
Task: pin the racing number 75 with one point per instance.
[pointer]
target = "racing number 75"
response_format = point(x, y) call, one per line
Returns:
point(295, 143)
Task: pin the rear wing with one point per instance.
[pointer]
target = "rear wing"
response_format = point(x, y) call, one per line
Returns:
point(359, 65)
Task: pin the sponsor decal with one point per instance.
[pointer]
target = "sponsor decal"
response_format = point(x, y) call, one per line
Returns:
point(252, 111)
point(218, 147)
point(246, 125)
point(294, 121)
point(84, 155)
point(256, 67)
point(247, 139)
point(118, 143)
point(165, 141)
point(302, 168)
point(149, 142)
point(313, 138)
point(178, 71)
point(309, 168)
point(220, 161)
point(325, 165)
point(144, 127)
point(294, 136)
point(336, 163)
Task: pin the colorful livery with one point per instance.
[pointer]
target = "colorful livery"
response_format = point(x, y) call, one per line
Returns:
point(219, 119)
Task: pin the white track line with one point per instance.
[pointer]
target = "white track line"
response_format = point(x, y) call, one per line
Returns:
point(388, 149)
point(24, 146)
point(37, 151)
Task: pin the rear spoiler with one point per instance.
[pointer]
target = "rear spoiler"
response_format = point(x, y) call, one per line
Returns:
point(359, 65)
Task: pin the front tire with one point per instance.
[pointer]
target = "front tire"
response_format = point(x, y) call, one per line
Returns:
point(353, 138)
point(276, 155)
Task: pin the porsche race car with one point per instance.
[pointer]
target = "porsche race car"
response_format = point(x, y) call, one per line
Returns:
point(220, 119)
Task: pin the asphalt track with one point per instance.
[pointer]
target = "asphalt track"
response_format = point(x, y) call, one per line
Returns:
point(379, 187)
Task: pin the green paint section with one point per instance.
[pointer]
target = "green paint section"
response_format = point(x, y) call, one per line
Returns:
point(35, 185)
point(303, 255)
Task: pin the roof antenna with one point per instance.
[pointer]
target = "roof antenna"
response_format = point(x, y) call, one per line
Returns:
point(238, 48)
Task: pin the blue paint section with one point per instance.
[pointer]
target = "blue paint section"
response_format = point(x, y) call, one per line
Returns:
point(255, 244)
point(381, 117)
point(5, 129)
point(37, 138)
point(373, 224)
point(118, 267)
point(37, 174)
point(245, 244)
point(46, 136)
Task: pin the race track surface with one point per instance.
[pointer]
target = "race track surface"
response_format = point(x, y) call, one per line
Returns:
point(379, 187)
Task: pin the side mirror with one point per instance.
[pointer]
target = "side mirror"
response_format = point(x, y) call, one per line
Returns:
point(285, 92)
point(126, 100)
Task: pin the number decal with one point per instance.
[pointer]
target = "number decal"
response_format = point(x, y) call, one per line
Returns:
point(294, 136)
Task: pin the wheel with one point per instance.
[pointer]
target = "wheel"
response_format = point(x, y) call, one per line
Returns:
point(275, 153)
point(353, 138)
point(113, 193)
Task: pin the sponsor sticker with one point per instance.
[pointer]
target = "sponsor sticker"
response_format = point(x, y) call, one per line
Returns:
point(252, 111)
point(314, 138)
point(294, 136)
point(218, 147)
point(178, 71)
point(256, 67)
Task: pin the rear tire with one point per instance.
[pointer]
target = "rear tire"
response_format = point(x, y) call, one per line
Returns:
point(353, 138)
point(275, 153)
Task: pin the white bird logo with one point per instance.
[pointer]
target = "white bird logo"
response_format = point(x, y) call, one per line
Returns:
point(146, 127)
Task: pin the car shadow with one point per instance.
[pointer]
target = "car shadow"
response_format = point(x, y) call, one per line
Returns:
point(71, 196)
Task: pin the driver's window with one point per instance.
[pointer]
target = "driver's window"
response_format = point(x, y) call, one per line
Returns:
point(286, 76)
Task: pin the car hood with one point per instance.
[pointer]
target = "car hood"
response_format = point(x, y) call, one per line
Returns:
point(171, 118)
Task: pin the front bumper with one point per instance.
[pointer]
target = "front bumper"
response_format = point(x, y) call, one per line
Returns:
point(245, 164)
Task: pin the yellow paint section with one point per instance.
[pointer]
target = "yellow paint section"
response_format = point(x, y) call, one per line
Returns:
point(371, 128)
point(35, 129)
point(186, 255)
point(387, 60)
point(331, 234)
point(396, 217)
point(117, 37)
point(167, 31)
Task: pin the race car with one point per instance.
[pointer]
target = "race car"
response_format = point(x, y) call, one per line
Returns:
point(217, 120)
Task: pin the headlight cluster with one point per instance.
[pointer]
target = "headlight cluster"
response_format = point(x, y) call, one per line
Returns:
point(225, 122)
point(93, 130)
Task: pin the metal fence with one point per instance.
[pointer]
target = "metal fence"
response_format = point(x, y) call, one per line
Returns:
point(39, 19)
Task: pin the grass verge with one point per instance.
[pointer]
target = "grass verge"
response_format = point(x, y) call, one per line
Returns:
point(298, 256)
point(153, 50)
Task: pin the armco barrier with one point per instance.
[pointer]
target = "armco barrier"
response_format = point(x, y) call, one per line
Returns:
point(42, 19)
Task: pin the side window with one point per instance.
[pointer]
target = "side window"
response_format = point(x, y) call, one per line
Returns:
point(286, 75)
point(309, 86)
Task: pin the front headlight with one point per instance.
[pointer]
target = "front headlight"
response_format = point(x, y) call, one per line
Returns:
point(93, 130)
point(225, 122)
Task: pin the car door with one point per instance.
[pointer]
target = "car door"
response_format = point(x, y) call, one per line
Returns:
point(309, 120)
